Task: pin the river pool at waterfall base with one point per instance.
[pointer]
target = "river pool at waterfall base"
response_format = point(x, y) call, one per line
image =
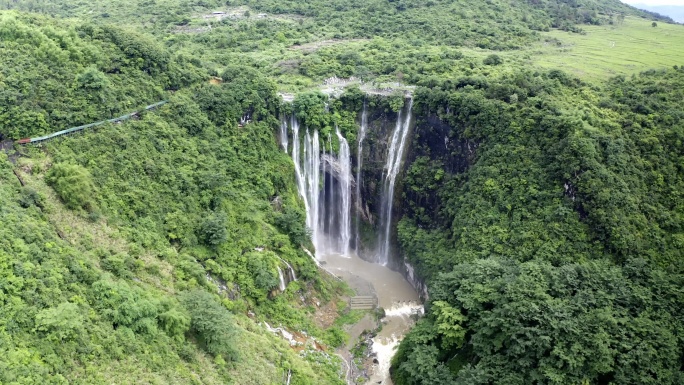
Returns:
point(395, 294)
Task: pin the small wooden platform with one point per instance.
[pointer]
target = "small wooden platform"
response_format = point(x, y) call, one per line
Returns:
point(363, 303)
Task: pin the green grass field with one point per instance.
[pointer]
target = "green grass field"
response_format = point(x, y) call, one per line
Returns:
point(611, 50)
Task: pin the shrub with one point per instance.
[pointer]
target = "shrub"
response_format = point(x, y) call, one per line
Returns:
point(214, 231)
point(493, 60)
point(30, 197)
point(291, 222)
point(63, 322)
point(73, 184)
point(211, 324)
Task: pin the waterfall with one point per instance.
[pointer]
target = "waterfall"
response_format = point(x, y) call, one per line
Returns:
point(331, 203)
point(284, 280)
point(327, 204)
point(290, 272)
point(312, 172)
point(345, 194)
point(322, 223)
point(283, 134)
point(392, 168)
point(308, 177)
point(282, 286)
point(359, 167)
point(301, 183)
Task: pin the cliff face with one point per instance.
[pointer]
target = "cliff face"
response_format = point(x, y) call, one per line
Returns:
point(382, 125)
point(431, 144)
point(442, 148)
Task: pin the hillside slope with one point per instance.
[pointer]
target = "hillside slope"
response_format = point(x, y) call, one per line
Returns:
point(552, 243)
point(134, 252)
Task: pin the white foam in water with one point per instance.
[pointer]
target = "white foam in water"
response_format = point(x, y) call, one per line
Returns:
point(406, 309)
point(385, 347)
point(384, 350)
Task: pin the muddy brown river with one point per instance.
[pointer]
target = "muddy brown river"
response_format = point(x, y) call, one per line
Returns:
point(395, 294)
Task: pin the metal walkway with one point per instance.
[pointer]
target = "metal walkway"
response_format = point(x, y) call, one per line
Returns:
point(81, 128)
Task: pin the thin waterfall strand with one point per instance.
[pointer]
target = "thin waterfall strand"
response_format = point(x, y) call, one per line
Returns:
point(324, 199)
point(291, 272)
point(394, 160)
point(331, 196)
point(283, 134)
point(359, 168)
point(301, 184)
point(312, 175)
point(345, 194)
point(282, 286)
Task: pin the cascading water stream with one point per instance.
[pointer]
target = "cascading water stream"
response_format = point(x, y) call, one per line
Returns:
point(283, 134)
point(312, 173)
point(290, 271)
point(331, 196)
point(301, 184)
point(359, 168)
point(345, 194)
point(322, 223)
point(328, 209)
point(282, 285)
point(393, 166)
point(308, 177)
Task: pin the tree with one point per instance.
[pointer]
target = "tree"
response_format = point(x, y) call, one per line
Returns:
point(214, 231)
point(291, 222)
point(493, 60)
point(175, 322)
point(63, 322)
point(448, 323)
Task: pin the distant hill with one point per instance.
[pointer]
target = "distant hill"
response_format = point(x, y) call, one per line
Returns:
point(676, 12)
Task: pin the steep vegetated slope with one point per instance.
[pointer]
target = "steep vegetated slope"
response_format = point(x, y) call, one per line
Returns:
point(557, 210)
point(134, 252)
point(54, 77)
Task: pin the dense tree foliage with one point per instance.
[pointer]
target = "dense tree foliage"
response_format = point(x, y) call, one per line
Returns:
point(56, 76)
point(562, 228)
point(498, 321)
